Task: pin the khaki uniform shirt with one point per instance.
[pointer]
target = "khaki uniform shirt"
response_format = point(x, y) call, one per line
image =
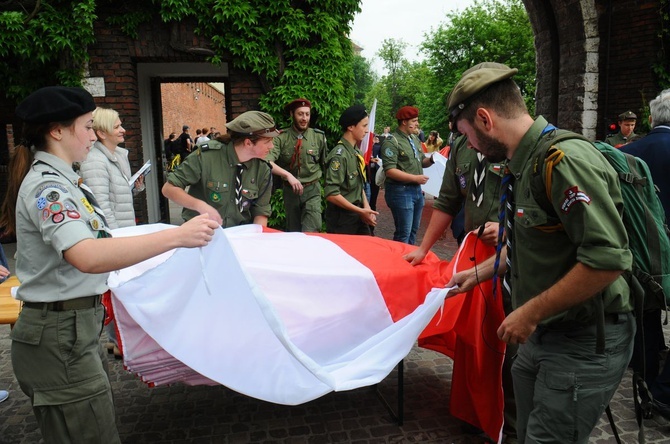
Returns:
point(397, 152)
point(619, 139)
point(343, 174)
point(52, 215)
point(586, 196)
point(312, 156)
point(210, 172)
point(458, 186)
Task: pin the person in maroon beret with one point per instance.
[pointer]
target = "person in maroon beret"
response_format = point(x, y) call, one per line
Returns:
point(299, 157)
point(403, 162)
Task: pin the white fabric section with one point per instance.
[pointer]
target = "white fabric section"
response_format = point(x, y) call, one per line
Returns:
point(435, 174)
point(290, 318)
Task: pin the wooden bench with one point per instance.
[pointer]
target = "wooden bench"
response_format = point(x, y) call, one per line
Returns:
point(9, 307)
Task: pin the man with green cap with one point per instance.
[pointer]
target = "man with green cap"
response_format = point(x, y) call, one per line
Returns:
point(626, 132)
point(562, 267)
point(227, 177)
point(298, 157)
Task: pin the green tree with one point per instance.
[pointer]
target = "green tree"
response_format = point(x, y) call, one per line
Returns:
point(364, 78)
point(392, 54)
point(487, 31)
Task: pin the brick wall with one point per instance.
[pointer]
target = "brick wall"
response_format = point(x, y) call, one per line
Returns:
point(196, 104)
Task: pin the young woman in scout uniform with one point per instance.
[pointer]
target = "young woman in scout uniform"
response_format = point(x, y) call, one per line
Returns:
point(64, 255)
point(347, 208)
point(227, 177)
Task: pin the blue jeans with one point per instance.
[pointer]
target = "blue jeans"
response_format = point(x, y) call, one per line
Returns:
point(562, 386)
point(406, 204)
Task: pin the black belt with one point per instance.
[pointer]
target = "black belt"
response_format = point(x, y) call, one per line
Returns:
point(71, 304)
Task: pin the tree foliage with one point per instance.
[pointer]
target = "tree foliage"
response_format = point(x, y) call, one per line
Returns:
point(296, 47)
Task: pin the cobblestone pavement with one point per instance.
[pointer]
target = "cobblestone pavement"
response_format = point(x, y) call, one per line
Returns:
point(183, 414)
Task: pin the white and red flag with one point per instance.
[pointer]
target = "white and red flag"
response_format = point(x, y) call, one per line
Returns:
point(289, 317)
point(368, 140)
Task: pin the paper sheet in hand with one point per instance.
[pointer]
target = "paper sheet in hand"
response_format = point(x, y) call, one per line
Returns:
point(435, 174)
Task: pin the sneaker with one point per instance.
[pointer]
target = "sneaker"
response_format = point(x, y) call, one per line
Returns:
point(4, 394)
point(661, 408)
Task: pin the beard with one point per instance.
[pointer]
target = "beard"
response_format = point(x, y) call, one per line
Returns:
point(494, 150)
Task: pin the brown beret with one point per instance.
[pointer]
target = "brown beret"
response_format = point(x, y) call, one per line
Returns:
point(55, 104)
point(352, 115)
point(253, 123)
point(297, 103)
point(407, 112)
point(628, 115)
point(474, 81)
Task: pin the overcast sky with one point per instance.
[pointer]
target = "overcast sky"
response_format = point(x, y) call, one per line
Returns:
point(405, 20)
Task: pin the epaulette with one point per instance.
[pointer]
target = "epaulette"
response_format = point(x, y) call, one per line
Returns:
point(210, 145)
point(319, 131)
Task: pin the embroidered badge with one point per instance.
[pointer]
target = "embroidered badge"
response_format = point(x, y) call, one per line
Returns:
point(335, 165)
point(41, 203)
point(389, 152)
point(87, 205)
point(519, 212)
point(58, 218)
point(73, 214)
point(45, 214)
point(69, 207)
point(339, 151)
point(462, 181)
point(53, 196)
point(311, 152)
point(41, 189)
point(497, 167)
point(56, 207)
point(95, 224)
point(573, 195)
point(215, 197)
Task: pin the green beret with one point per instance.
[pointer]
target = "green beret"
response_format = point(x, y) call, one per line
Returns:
point(352, 115)
point(55, 104)
point(253, 123)
point(628, 115)
point(474, 81)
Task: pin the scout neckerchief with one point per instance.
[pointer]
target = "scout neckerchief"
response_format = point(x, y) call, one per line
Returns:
point(238, 186)
point(102, 231)
point(295, 159)
point(480, 173)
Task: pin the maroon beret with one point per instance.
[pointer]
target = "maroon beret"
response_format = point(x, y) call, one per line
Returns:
point(297, 103)
point(407, 112)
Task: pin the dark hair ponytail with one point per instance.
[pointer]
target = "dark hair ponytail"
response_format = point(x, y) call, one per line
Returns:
point(19, 165)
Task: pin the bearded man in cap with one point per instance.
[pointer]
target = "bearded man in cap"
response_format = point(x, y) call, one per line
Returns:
point(227, 177)
point(626, 132)
point(298, 157)
point(562, 265)
point(403, 162)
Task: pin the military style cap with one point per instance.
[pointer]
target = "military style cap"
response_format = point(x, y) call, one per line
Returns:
point(297, 103)
point(352, 115)
point(55, 104)
point(628, 115)
point(407, 112)
point(253, 123)
point(474, 81)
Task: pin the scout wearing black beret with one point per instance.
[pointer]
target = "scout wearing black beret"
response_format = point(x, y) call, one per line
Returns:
point(352, 115)
point(55, 104)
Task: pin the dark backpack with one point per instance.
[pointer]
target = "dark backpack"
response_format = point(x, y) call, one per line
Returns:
point(648, 240)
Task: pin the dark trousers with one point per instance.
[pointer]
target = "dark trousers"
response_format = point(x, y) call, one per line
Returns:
point(341, 221)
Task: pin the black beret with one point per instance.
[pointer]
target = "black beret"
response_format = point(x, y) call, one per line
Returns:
point(352, 115)
point(55, 104)
point(297, 103)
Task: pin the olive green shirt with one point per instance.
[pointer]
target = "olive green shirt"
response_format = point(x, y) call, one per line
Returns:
point(52, 215)
point(343, 174)
point(312, 155)
point(619, 139)
point(458, 185)
point(586, 196)
point(210, 173)
point(397, 152)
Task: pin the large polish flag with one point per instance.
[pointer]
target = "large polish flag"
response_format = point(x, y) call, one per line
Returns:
point(289, 317)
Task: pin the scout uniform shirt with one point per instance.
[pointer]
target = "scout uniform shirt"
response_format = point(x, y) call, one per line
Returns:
point(344, 175)
point(586, 196)
point(210, 173)
point(52, 215)
point(616, 140)
point(397, 152)
point(458, 186)
point(308, 164)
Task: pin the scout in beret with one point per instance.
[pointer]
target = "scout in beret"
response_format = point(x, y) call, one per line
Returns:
point(626, 133)
point(298, 158)
point(63, 265)
point(403, 162)
point(227, 177)
point(563, 262)
point(347, 208)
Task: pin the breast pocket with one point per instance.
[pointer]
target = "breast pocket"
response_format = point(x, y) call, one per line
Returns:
point(462, 173)
point(529, 215)
point(216, 191)
point(249, 197)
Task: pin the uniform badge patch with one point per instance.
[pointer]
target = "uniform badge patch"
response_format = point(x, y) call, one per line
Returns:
point(214, 197)
point(573, 195)
point(87, 205)
point(339, 151)
point(41, 203)
point(335, 165)
point(58, 218)
point(45, 214)
point(389, 152)
point(56, 207)
point(41, 189)
point(73, 214)
point(95, 224)
point(53, 196)
point(462, 182)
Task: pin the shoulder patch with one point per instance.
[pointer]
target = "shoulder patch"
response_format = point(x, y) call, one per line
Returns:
point(388, 152)
point(339, 151)
point(335, 165)
point(49, 185)
point(572, 196)
point(318, 131)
